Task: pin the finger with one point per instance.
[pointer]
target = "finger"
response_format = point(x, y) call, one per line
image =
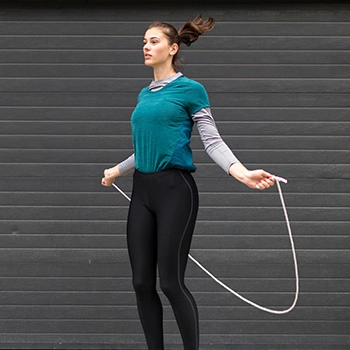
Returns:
point(264, 184)
point(267, 184)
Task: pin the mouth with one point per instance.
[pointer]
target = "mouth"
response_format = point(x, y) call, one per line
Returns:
point(147, 56)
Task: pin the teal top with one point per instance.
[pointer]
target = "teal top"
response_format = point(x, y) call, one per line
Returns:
point(162, 125)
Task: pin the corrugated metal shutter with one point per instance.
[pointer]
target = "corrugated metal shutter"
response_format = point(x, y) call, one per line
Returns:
point(278, 80)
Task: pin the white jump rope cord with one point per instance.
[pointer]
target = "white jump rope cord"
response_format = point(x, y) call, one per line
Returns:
point(279, 312)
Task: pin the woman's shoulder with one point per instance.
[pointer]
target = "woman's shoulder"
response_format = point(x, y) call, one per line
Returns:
point(191, 84)
point(186, 80)
point(143, 91)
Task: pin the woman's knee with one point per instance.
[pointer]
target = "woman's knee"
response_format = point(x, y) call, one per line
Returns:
point(170, 287)
point(143, 287)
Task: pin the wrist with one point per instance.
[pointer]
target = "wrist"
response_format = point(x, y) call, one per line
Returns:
point(112, 173)
point(239, 171)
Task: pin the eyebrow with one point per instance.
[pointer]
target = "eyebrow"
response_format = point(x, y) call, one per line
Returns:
point(152, 37)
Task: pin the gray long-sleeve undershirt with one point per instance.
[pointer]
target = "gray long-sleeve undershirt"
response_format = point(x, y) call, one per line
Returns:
point(214, 145)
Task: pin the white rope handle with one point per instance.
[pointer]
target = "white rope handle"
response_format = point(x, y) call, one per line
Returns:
point(278, 312)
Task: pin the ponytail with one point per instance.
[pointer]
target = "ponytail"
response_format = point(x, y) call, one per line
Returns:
point(187, 34)
point(191, 30)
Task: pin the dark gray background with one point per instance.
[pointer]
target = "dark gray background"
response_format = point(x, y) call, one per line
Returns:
point(278, 80)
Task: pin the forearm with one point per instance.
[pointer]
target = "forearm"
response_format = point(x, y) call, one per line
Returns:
point(126, 167)
point(239, 172)
point(113, 172)
point(258, 179)
point(118, 170)
point(213, 143)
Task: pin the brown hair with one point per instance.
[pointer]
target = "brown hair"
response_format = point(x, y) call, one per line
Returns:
point(187, 34)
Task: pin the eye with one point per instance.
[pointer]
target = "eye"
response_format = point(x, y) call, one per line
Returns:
point(154, 41)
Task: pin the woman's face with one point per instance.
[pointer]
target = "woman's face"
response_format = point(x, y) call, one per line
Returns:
point(156, 48)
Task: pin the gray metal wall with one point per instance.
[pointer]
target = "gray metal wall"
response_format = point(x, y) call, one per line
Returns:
point(278, 80)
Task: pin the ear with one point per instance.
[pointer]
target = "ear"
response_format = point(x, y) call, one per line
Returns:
point(174, 49)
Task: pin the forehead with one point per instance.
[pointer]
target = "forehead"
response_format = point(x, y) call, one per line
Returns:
point(154, 33)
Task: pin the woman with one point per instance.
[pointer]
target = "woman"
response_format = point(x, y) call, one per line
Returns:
point(164, 201)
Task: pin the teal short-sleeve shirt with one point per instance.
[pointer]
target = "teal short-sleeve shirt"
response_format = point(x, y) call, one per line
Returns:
point(162, 125)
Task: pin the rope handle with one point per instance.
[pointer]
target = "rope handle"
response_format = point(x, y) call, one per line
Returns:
point(272, 311)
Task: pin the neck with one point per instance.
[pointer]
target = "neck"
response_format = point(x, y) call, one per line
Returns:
point(161, 73)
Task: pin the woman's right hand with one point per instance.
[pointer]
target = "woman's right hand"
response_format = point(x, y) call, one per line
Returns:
point(109, 176)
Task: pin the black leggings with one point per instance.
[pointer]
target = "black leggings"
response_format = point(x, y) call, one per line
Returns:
point(161, 221)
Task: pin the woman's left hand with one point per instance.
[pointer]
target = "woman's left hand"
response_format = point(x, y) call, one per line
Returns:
point(257, 179)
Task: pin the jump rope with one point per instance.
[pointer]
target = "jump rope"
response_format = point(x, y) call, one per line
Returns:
point(272, 311)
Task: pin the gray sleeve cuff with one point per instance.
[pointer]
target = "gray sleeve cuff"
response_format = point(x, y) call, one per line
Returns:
point(127, 166)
